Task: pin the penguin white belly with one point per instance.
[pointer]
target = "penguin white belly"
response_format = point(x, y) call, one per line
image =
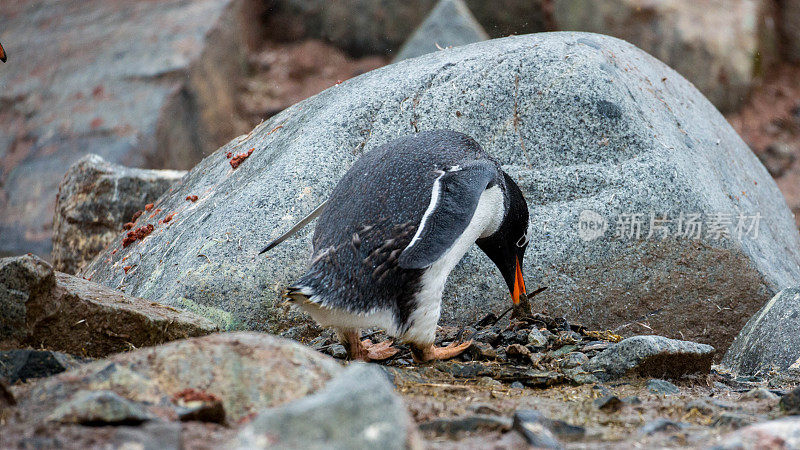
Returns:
point(485, 221)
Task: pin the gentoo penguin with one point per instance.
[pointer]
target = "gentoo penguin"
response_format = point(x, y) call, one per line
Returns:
point(392, 230)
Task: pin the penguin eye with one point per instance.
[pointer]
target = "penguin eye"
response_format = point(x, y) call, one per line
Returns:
point(523, 241)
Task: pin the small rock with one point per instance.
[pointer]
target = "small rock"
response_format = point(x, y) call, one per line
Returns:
point(449, 24)
point(490, 336)
point(357, 409)
point(535, 432)
point(556, 354)
point(22, 365)
point(651, 355)
point(608, 403)
point(779, 434)
point(632, 400)
point(517, 385)
point(536, 338)
point(100, 408)
point(659, 425)
point(596, 346)
point(702, 406)
point(733, 419)
point(452, 426)
point(488, 382)
point(558, 427)
point(148, 436)
point(568, 337)
point(484, 409)
point(759, 394)
point(790, 403)
point(337, 351)
point(572, 360)
point(518, 352)
point(482, 351)
point(662, 387)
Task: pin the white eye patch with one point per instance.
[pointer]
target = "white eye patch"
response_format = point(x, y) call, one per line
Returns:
point(523, 241)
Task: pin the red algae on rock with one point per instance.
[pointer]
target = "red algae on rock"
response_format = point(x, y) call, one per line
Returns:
point(238, 159)
point(139, 233)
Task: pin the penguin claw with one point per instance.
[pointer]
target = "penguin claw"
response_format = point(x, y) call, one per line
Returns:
point(433, 352)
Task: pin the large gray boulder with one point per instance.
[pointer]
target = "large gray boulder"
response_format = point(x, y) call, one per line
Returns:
point(450, 24)
point(771, 339)
point(145, 84)
point(592, 128)
point(95, 200)
point(720, 45)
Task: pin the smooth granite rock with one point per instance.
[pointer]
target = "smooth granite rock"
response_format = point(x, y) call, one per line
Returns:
point(246, 371)
point(95, 200)
point(144, 84)
point(651, 356)
point(450, 24)
point(770, 341)
point(42, 308)
point(590, 127)
point(356, 409)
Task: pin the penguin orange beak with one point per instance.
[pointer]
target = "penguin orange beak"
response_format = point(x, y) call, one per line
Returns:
point(3, 54)
point(519, 285)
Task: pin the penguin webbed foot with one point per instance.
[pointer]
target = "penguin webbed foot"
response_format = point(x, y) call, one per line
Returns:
point(422, 354)
point(365, 350)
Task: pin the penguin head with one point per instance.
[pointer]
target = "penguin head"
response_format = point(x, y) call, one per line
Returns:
point(506, 247)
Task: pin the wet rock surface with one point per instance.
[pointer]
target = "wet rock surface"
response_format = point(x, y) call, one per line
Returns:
point(142, 84)
point(95, 200)
point(769, 340)
point(543, 138)
point(449, 24)
point(40, 307)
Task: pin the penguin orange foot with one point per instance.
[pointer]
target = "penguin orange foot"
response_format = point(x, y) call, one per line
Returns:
point(393, 229)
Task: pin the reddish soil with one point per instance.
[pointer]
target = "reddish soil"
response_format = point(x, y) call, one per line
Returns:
point(769, 122)
point(139, 233)
point(284, 74)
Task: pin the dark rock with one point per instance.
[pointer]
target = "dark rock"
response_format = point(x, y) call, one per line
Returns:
point(733, 419)
point(66, 313)
point(572, 360)
point(452, 426)
point(769, 339)
point(651, 355)
point(246, 371)
point(517, 385)
point(790, 17)
point(662, 387)
point(536, 433)
point(154, 435)
point(558, 353)
point(759, 394)
point(713, 51)
point(537, 338)
point(100, 408)
point(608, 403)
point(337, 351)
point(560, 428)
point(450, 24)
point(556, 153)
point(7, 397)
point(95, 199)
point(357, 409)
point(22, 365)
point(166, 104)
point(660, 425)
point(782, 433)
point(790, 403)
point(518, 352)
point(489, 336)
point(482, 351)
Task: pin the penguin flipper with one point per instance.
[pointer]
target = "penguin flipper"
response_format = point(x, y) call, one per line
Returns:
point(454, 199)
